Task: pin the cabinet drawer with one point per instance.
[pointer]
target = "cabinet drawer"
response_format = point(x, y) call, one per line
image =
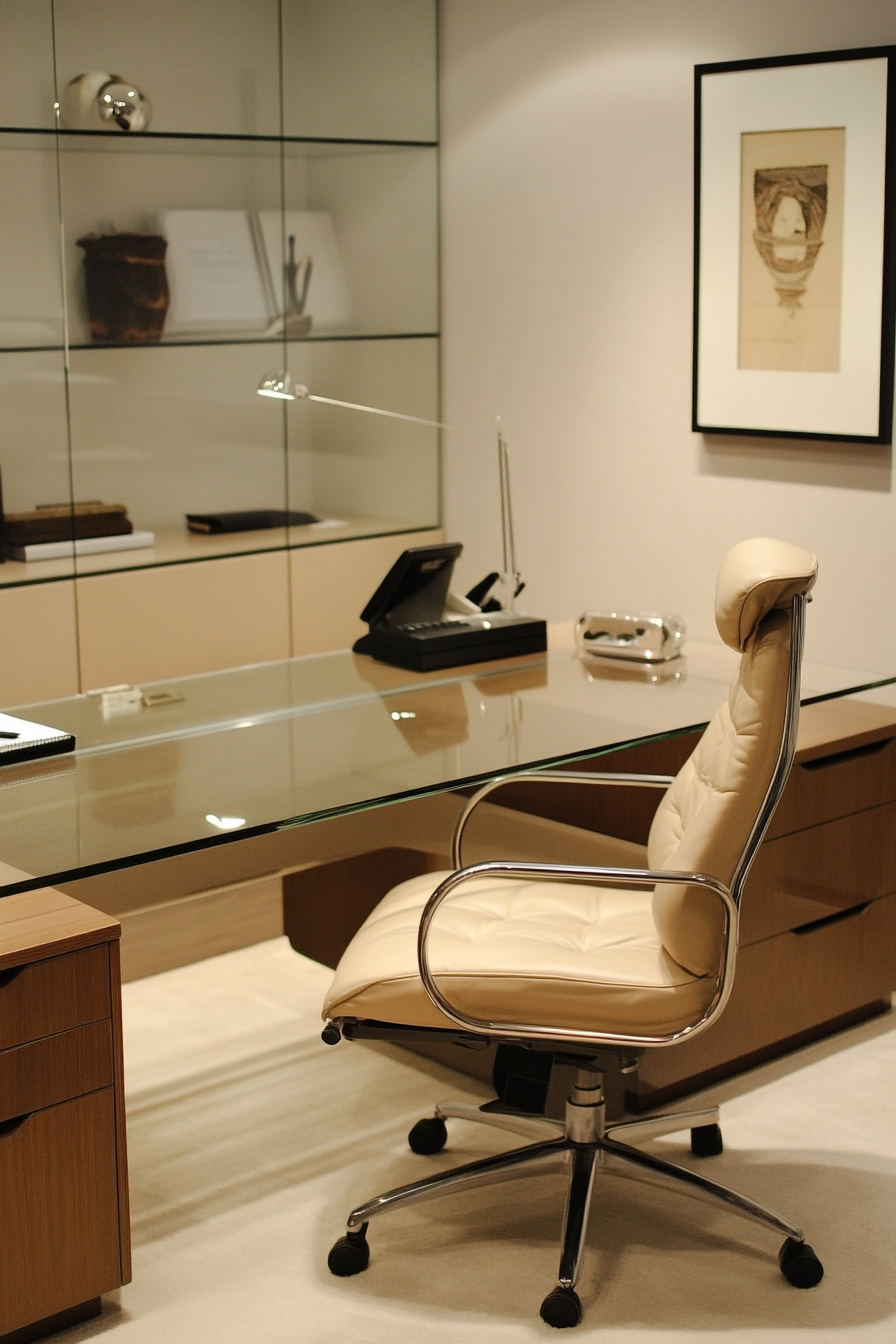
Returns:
point(58, 1194)
point(810, 874)
point(55, 1069)
point(785, 987)
point(830, 784)
point(44, 997)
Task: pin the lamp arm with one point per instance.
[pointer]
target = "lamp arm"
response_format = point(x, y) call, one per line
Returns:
point(302, 393)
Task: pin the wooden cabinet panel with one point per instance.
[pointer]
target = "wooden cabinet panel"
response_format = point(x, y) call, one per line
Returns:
point(325, 904)
point(176, 620)
point(41, 662)
point(786, 989)
point(811, 874)
point(58, 1193)
point(44, 997)
point(332, 584)
point(55, 1069)
point(843, 773)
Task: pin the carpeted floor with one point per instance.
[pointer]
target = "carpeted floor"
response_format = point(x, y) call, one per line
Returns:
point(250, 1140)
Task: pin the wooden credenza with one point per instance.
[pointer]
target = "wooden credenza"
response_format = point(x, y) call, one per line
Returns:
point(818, 918)
point(63, 1163)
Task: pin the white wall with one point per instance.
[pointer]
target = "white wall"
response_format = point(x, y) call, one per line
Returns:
point(567, 132)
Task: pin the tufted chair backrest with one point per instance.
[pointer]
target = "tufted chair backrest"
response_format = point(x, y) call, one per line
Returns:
point(707, 816)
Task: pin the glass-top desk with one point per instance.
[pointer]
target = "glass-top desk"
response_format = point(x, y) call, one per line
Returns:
point(261, 749)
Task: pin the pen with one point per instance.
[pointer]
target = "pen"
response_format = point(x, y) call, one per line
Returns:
point(10, 734)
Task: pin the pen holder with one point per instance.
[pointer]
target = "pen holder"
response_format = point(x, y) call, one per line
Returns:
point(644, 638)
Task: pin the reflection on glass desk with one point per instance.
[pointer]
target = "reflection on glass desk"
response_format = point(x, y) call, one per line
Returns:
point(260, 749)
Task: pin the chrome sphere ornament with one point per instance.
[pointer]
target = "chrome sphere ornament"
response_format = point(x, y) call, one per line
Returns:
point(122, 102)
point(100, 101)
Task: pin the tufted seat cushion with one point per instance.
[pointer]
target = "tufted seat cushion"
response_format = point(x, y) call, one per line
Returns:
point(563, 954)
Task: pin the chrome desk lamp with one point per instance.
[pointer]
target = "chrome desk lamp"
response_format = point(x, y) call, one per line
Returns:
point(280, 385)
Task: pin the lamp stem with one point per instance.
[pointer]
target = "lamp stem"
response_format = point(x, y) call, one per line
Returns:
point(511, 573)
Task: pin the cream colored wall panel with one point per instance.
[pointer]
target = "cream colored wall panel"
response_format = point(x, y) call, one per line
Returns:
point(588, 359)
point(170, 622)
point(39, 649)
point(331, 585)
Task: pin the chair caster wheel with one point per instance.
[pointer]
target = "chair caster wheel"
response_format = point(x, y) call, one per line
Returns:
point(799, 1264)
point(428, 1136)
point(350, 1255)
point(706, 1141)
point(562, 1308)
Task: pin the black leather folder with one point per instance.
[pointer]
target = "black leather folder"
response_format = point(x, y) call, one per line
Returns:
point(248, 520)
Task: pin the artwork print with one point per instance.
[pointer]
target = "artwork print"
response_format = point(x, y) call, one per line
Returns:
point(791, 249)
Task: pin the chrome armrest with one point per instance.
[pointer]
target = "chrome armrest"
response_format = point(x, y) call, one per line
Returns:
point(637, 877)
point(551, 777)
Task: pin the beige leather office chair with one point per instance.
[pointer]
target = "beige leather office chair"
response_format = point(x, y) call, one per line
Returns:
point(574, 964)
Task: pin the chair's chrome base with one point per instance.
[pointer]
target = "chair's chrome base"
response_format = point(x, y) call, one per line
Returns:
point(587, 1144)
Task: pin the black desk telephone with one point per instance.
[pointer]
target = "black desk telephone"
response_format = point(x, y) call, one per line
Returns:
point(409, 625)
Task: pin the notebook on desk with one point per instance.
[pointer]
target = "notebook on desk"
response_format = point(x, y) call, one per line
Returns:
point(23, 740)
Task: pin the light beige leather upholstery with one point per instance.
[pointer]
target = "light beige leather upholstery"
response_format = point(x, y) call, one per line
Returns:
point(583, 957)
point(755, 578)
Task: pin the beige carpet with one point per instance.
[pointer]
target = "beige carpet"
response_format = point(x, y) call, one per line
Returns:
point(250, 1141)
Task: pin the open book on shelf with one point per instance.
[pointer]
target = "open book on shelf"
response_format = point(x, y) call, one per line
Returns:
point(234, 271)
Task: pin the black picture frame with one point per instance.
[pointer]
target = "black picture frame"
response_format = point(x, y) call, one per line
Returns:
point(817, 362)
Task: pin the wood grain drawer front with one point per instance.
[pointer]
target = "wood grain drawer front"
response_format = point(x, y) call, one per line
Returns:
point(832, 784)
point(810, 874)
point(44, 997)
point(785, 986)
point(58, 1194)
point(55, 1069)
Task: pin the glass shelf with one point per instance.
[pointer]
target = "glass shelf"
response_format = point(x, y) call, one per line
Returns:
point(169, 430)
point(276, 341)
point(178, 546)
point(357, 69)
point(157, 140)
point(382, 203)
point(300, 117)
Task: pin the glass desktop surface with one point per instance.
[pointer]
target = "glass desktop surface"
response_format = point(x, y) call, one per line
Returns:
point(288, 743)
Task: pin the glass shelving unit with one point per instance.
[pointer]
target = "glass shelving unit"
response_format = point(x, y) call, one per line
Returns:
point(269, 106)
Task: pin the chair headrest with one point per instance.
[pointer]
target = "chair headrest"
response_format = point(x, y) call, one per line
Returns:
point(755, 577)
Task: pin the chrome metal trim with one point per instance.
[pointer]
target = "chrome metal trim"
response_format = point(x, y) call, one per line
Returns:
point(514, 1124)
point(638, 877)
point(471, 1174)
point(551, 777)
point(575, 1217)
point(742, 1203)
point(669, 1122)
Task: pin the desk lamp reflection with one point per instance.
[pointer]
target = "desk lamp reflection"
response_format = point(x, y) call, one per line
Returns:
point(281, 386)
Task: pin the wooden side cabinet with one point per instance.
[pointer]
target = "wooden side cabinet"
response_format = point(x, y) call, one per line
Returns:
point(64, 1236)
point(818, 918)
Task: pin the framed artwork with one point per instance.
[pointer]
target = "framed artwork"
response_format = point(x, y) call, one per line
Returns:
point(793, 246)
